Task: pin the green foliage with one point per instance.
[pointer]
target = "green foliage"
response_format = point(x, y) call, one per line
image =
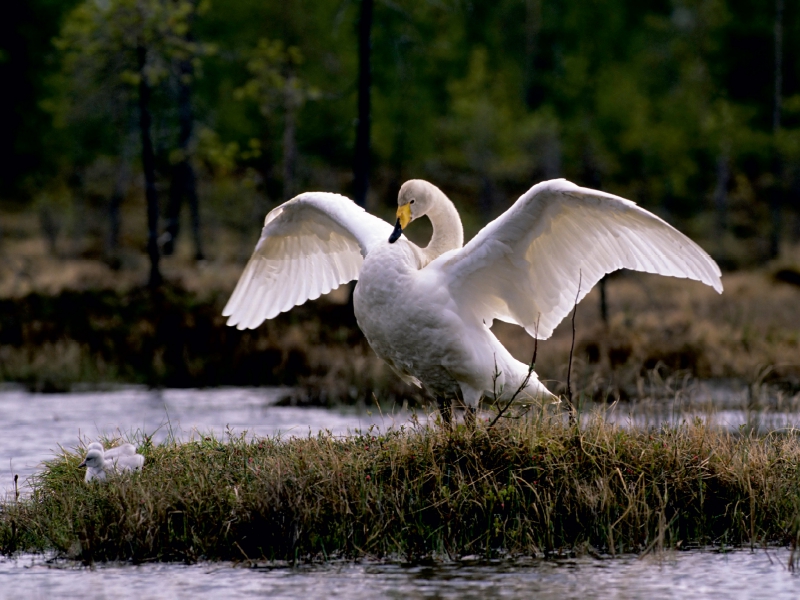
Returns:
point(273, 81)
point(97, 35)
point(643, 99)
point(101, 48)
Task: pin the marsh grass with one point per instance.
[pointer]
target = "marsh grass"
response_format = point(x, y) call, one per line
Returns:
point(529, 486)
point(177, 338)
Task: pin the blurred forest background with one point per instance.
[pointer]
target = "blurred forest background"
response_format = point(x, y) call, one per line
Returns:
point(145, 140)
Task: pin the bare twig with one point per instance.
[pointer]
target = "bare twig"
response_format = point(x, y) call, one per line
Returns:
point(495, 375)
point(572, 350)
point(524, 383)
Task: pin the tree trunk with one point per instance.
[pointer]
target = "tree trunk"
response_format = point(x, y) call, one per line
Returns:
point(397, 169)
point(551, 155)
point(361, 163)
point(533, 23)
point(117, 196)
point(291, 106)
point(78, 229)
point(775, 199)
point(184, 181)
point(148, 164)
point(486, 197)
point(721, 194)
point(591, 175)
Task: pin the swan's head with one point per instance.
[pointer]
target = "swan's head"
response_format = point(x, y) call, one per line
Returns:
point(416, 198)
point(95, 446)
point(94, 459)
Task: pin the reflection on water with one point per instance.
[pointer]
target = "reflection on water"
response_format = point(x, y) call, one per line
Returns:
point(726, 404)
point(757, 420)
point(696, 574)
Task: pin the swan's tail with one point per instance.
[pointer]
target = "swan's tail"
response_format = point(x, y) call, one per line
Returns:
point(522, 385)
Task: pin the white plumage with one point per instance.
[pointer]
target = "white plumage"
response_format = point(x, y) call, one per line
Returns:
point(121, 450)
point(427, 311)
point(309, 246)
point(99, 462)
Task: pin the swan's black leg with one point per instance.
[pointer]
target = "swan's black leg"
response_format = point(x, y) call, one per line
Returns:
point(446, 410)
point(470, 416)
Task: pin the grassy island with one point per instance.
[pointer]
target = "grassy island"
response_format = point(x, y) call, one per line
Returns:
point(523, 487)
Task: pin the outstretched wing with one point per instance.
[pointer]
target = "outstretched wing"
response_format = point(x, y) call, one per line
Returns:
point(309, 246)
point(527, 264)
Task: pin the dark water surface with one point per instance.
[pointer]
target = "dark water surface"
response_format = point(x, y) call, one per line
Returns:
point(33, 426)
point(697, 574)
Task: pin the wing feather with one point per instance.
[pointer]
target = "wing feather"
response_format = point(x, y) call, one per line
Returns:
point(526, 265)
point(309, 246)
point(289, 289)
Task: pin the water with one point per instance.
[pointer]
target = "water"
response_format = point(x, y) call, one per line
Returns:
point(33, 426)
point(655, 416)
point(696, 574)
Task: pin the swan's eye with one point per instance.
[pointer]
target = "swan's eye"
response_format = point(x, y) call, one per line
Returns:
point(413, 200)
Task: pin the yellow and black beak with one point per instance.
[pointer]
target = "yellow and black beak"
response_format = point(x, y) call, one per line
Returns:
point(403, 219)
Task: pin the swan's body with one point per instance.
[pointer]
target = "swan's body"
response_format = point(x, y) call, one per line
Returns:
point(121, 450)
point(99, 462)
point(428, 311)
point(426, 340)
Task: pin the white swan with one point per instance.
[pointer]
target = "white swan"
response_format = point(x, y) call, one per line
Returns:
point(99, 462)
point(121, 450)
point(427, 311)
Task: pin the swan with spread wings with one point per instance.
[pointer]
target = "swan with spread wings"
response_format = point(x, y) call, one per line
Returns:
point(427, 311)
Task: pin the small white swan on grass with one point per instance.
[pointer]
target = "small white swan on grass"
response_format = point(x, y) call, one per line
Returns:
point(99, 462)
point(428, 311)
point(121, 450)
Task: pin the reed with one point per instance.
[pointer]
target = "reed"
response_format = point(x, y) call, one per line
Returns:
point(530, 486)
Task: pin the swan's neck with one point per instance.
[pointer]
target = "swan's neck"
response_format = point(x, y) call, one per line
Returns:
point(448, 233)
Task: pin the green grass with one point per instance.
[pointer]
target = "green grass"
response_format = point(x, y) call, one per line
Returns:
point(528, 487)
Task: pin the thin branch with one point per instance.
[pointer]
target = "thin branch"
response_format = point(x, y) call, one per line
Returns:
point(524, 383)
point(495, 375)
point(572, 350)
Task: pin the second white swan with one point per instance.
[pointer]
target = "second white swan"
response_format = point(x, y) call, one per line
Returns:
point(99, 461)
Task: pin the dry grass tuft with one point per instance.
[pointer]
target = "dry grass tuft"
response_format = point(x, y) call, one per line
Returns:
point(527, 486)
point(177, 337)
